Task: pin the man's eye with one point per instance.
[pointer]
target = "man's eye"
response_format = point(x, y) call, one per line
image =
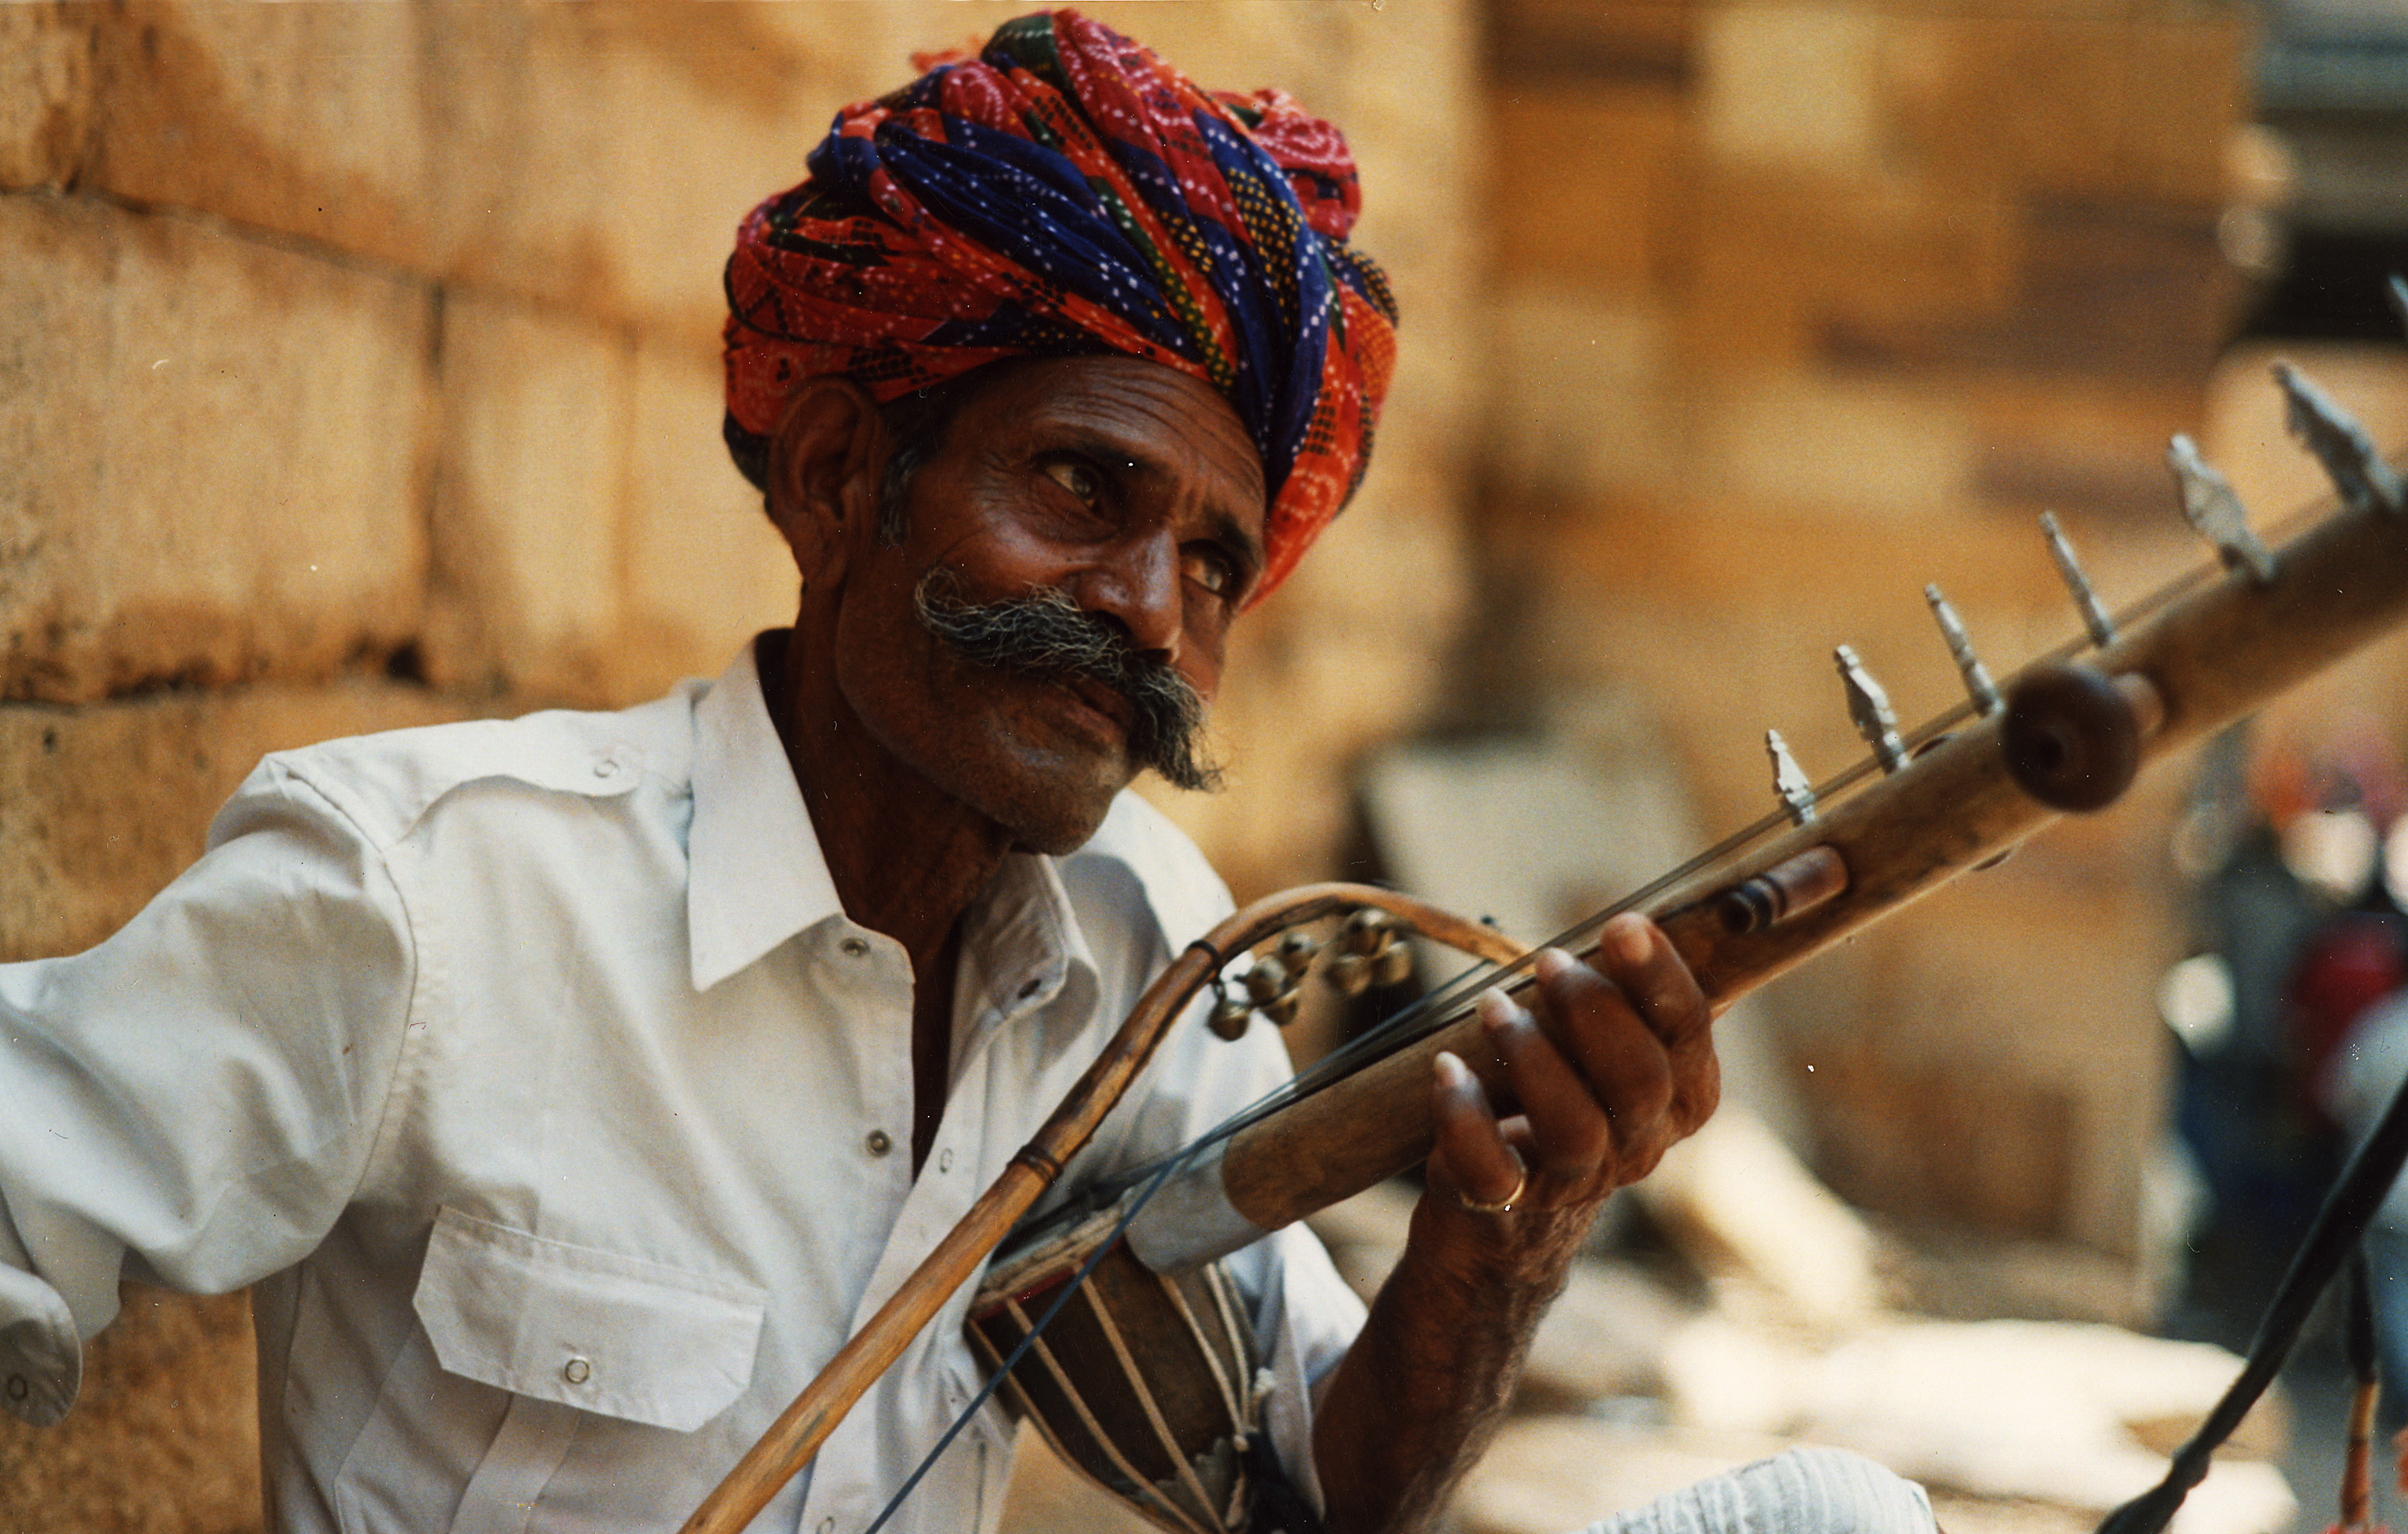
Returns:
point(1076, 477)
point(1210, 570)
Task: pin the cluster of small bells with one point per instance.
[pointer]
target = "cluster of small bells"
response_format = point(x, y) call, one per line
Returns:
point(1369, 949)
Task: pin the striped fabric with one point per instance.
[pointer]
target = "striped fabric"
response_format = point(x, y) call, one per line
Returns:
point(1067, 192)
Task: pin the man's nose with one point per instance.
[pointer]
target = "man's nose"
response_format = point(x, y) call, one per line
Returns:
point(1137, 587)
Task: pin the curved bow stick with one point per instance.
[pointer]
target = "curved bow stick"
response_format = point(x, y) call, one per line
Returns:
point(803, 1427)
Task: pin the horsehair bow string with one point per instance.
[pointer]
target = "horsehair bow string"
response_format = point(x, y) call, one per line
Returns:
point(1957, 791)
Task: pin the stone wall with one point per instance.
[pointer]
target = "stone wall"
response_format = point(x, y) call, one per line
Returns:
point(358, 368)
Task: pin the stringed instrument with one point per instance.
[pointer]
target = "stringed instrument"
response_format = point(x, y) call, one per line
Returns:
point(2065, 735)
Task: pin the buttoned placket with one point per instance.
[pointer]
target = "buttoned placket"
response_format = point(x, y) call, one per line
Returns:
point(932, 1206)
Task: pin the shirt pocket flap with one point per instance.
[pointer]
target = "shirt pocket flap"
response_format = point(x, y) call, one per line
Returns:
point(592, 1330)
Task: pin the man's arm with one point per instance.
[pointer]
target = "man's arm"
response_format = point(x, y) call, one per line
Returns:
point(193, 1101)
point(1616, 1068)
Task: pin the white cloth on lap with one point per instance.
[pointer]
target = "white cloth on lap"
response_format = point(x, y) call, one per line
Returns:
point(1805, 1491)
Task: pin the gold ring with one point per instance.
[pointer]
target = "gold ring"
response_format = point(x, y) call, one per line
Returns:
point(1504, 1204)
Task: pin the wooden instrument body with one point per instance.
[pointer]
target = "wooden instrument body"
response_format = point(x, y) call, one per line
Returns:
point(1144, 1382)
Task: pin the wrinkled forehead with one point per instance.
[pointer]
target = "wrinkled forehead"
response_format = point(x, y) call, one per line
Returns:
point(1158, 423)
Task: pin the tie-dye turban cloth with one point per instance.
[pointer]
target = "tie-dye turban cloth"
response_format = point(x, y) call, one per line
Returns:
point(1067, 192)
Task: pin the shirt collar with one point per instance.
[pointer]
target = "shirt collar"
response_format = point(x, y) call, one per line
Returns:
point(755, 875)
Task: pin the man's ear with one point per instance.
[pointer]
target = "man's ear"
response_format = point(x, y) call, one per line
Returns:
point(827, 461)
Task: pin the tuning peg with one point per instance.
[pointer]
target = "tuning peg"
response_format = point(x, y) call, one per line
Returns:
point(1790, 781)
point(2209, 505)
point(2085, 601)
point(1868, 709)
point(2348, 456)
point(1978, 685)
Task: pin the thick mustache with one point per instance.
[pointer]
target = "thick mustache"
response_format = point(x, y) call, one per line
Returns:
point(1046, 633)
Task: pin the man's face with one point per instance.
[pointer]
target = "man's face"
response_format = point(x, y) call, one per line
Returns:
point(1128, 487)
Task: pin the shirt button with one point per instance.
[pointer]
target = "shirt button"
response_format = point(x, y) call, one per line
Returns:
point(577, 1371)
point(944, 1161)
point(1031, 988)
point(879, 1142)
point(827, 1526)
point(854, 948)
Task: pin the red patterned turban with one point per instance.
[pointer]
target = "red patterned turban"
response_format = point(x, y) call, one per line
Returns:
point(1067, 193)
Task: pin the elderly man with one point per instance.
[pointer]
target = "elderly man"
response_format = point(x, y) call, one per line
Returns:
point(569, 1089)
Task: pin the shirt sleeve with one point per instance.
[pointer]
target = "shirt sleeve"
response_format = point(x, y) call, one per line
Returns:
point(193, 1101)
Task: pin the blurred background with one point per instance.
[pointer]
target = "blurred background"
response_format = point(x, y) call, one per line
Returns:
point(358, 368)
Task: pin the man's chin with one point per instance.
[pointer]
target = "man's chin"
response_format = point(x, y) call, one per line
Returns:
point(1055, 840)
point(1059, 817)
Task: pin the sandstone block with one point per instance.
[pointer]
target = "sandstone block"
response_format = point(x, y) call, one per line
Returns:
point(101, 807)
point(1596, 407)
point(164, 1437)
point(2190, 87)
point(530, 493)
point(1586, 184)
point(1772, 266)
point(2137, 107)
point(2013, 99)
point(45, 92)
point(1790, 86)
point(308, 120)
point(1869, 450)
point(2100, 288)
point(1560, 41)
point(219, 466)
point(2094, 446)
point(613, 149)
point(705, 568)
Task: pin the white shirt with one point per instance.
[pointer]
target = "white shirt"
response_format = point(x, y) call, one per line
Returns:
point(535, 1075)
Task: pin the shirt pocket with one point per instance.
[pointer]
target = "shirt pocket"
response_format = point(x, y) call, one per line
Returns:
point(592, 1330)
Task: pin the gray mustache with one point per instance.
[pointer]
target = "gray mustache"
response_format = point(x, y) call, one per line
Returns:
point(1046, 633)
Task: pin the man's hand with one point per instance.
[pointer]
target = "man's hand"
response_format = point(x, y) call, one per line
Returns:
point(1614, 1066)
point(1611, 1071)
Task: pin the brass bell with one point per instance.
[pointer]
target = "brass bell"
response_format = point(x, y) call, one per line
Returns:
point(1362, 930)
point(1281, 1008)
point(1394, 964)
point(1349, 974)
point(1266, 981)
point(1295, 950)
point(1230, 1018)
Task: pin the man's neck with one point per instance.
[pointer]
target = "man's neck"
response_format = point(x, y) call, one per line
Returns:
point(907, 859)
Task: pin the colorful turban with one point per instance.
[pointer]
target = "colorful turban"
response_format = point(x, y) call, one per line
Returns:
point(1067, 193)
